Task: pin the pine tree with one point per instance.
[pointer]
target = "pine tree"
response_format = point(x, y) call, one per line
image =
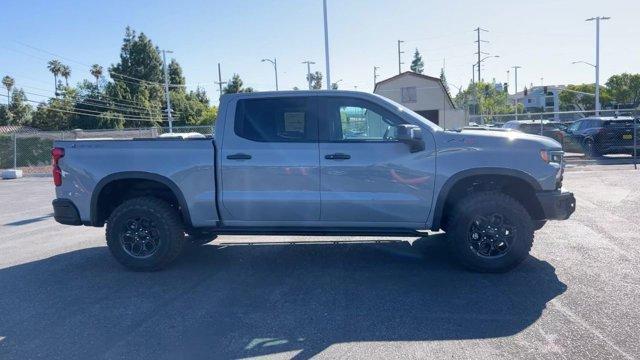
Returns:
point(417, 65)
point(443, 79)
point(235, 85)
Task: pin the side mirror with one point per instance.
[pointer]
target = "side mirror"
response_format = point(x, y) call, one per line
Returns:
point(410, 135)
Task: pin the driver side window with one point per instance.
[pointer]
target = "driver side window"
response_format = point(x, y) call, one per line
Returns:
point(354, 120)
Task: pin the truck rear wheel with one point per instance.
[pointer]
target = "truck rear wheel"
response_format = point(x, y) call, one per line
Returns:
point(490, 232)
point(145, 234)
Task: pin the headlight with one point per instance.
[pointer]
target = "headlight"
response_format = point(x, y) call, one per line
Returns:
point(550, 156)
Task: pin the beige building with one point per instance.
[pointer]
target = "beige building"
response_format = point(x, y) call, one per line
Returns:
point(425, 95)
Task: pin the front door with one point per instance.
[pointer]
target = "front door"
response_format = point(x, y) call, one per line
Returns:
point(368, 178)
point(270, 166)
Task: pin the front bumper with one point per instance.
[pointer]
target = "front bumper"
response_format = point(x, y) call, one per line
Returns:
point(557, 204)
point(65, 212)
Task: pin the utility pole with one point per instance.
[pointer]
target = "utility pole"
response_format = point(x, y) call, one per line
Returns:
point(166, 88)
point(508, 80)
point(400, 57)
point(375, 76)
point(309, 63)
point(515, 92)
point(220, 82)
point(597, 19)
point(326, 44)
point(479, 41)
point(273, 62)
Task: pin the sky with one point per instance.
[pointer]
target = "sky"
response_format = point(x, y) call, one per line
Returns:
point(543, 37)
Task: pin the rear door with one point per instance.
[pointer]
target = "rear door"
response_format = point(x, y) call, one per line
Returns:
point(269, 162)
point(367, 177)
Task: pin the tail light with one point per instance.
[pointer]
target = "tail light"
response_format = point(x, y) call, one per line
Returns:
point(56, 155)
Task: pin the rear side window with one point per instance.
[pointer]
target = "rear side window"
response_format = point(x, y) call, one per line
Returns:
point(276, 120)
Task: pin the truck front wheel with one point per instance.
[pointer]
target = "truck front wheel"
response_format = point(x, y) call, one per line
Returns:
point(145, 234)
point(490, 232)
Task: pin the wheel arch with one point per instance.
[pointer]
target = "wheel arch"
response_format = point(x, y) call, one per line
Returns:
point(96, 215)
point(468, 175)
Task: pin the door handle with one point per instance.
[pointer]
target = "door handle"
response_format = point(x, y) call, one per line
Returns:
point(337, 156)
point(239, 156)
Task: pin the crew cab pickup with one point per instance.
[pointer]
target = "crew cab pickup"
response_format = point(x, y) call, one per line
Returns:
point(314, 163)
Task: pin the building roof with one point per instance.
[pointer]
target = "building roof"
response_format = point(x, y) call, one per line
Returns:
point(421, 76)
point(16, 129)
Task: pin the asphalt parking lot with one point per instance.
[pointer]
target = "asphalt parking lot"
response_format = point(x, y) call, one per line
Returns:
point(577, 296)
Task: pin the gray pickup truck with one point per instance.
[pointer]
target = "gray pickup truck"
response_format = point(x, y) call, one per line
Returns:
point(314, 163)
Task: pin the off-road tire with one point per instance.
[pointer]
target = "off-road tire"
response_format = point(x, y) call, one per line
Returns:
point(167, 223)
point(481, 204)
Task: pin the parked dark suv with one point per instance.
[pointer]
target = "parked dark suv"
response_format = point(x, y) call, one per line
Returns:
point(549, 128)
point(596, 136)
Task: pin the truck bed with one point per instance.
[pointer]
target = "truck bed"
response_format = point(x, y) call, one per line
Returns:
point(185, 165)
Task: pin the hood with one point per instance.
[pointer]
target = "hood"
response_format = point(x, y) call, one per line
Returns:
point(481, 138)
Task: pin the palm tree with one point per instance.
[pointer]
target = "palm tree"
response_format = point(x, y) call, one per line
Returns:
point(65, 71)
point(55, 67)
point(96, 71)
point(8, 82)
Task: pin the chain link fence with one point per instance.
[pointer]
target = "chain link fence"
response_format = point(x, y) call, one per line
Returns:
point(608, 138)
point(30, 150)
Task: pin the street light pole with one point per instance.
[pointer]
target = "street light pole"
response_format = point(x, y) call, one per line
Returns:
point(166, 88)
point(597, 66)
point(308, 71)
point(326, 44)
point(515, 92)
point(473, 66)
point(273, 62)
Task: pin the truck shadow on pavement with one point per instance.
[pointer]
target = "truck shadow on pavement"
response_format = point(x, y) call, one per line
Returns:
point(242, 301)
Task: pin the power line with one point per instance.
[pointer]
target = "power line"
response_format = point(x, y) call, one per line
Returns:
point(78, 97)
point(111, 73)
point(108, 106)
point(126, 118)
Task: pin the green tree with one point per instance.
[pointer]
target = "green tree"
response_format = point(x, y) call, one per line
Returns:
point(110, 120)
point(96, 71)
point(484, 99)
point(334, 86)
point(56, 114)
point(417, 65)
point(176, 79)
point(4, 115)
point(236, 85)
point(8, 83)
point(55, 67)
point(625, 89)
point(200, 95)
point(316, 80)
point(582, 97)
point(137, 80)
point(65, 72)
point(19, 108)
